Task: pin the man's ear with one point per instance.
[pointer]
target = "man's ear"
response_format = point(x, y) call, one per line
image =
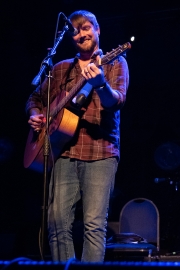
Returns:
point(98, 30)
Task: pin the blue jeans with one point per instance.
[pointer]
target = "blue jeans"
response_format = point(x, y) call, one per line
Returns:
point(92, 180)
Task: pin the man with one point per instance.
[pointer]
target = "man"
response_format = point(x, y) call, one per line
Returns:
point(88, 163)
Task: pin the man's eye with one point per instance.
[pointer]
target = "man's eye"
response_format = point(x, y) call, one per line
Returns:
point(86, 28)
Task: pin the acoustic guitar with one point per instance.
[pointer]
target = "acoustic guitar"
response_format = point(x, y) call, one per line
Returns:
point(62, 123)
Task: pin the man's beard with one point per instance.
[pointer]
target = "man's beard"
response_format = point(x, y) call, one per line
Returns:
point(87, 48)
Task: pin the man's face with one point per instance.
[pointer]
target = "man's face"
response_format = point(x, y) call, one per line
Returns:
point(87, 39)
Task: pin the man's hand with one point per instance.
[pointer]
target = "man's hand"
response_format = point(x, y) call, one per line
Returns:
point(37, 121)
point(93, 74)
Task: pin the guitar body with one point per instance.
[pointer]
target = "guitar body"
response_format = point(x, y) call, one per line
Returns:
point(61, 130)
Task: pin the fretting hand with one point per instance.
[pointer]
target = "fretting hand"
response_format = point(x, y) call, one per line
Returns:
point(93, 74)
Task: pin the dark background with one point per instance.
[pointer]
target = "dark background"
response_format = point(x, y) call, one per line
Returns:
point(150, 119)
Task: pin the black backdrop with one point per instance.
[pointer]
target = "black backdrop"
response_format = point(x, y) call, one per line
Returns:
point(149, 119)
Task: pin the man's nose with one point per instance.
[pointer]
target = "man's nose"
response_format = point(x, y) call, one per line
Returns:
point(82, 33)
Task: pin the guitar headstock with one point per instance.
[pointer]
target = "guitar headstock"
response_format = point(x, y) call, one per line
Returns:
point(112, 55)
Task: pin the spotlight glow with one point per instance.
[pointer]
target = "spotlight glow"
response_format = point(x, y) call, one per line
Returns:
point(132, 38)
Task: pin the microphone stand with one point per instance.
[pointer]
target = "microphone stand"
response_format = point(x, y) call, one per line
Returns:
point(47, 63)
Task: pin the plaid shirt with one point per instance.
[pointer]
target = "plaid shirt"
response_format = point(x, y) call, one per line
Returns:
point(98, 134)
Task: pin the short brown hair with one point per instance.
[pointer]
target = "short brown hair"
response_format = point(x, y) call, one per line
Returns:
point(79, 17)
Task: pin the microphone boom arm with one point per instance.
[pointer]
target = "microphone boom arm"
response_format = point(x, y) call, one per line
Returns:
point(46, 62)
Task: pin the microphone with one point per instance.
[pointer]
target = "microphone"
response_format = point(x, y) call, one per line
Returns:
point(72, 29)
point(158, 180)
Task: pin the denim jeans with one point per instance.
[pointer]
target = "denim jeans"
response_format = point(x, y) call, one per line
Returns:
point(92, 180)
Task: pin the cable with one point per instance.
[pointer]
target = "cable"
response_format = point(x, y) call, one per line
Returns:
point(67, 265)
point(57, 24)
point(15, 261)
